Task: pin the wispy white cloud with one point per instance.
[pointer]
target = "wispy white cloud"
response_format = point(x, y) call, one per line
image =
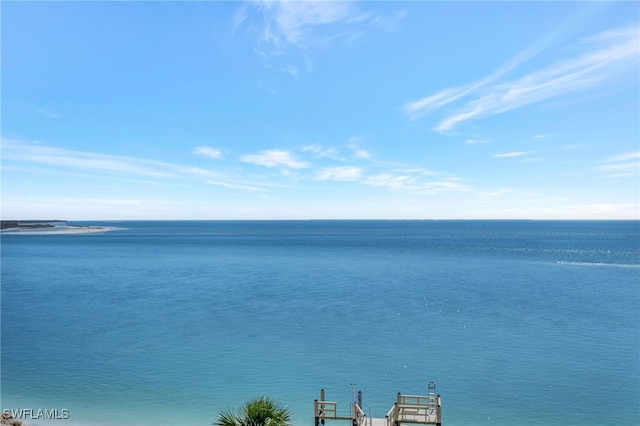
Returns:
point(65, 158)
point(357, 152)
point(275, 158)
point(286, 27)
point(413, 184)
point(265, 87)
point(237, 186)
point(46, 113)
point(420, 171)
point(206, 151)
point(349, 153)
point(320, 151)
point(635, 165)
point(293, 21)
point(426, 105)
point(624, 157)
point(94, 165)
point(360, 153)
point(623, 165)
point(511, 154)
point(390, 23)
point(288, 68)
point(198, 172)
point(388, 180)
point(240, 16)
point(220, 179)
point(348, 173)
point(605, 56)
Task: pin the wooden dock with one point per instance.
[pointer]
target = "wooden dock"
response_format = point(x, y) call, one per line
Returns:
point(408, 410)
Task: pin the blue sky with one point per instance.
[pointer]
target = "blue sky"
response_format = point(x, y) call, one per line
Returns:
point(300, 110)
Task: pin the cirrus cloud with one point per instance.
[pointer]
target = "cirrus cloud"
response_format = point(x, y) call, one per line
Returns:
point(605, 57)
point(414, 184)
point(275, 158)
point(347, 173)
point(206, 151)
point(511, 154)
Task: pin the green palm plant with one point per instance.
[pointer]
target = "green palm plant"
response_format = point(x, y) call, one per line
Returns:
point(259, 412)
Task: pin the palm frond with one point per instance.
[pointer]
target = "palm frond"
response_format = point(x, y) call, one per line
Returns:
point(227, 418)
point(263, 411)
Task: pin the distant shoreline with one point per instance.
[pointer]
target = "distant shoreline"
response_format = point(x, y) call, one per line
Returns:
point(28, 224)
point(41, 227)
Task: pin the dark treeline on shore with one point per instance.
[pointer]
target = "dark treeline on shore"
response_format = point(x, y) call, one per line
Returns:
point(28, 224)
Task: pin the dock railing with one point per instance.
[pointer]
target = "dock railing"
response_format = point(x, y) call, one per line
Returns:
point(328, 410)
point(414, 409)
point(358, 415)
point(325, 409)
point(391, 417)
point(408, 409)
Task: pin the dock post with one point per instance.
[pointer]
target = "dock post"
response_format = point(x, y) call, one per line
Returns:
point(396, 412)
point(439, 412)
point(321, 410)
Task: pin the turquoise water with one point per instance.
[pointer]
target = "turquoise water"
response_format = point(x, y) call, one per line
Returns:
point(164, 323)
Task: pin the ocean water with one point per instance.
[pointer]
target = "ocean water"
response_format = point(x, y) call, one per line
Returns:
point(168, 323)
